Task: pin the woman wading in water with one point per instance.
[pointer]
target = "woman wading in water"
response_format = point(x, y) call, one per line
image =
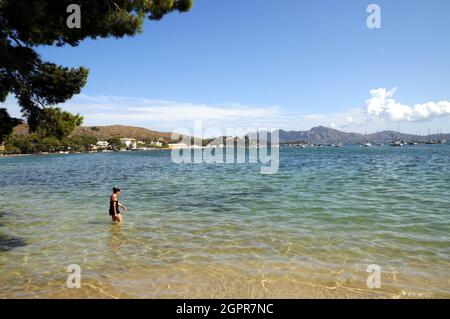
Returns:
point(114, 206)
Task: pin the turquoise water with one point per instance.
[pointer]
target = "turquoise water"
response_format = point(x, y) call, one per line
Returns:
point(225, 230)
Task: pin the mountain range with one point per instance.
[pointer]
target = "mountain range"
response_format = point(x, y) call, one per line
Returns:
point(316, 135)
point(324, 135)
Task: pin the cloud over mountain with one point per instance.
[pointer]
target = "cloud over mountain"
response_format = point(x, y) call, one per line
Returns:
point(382, 104)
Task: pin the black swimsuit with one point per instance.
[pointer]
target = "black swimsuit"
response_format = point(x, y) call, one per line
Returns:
point(111, 206)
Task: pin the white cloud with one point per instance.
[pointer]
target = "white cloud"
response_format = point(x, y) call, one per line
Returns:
point(382, 112)
point(382, 104)
point(169, 114)
point(134, 109)
point(349, 119)
point(348, 122)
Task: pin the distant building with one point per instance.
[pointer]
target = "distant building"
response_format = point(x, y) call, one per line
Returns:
point(103, 144)
point(156, 143)
point(129, 142)
point(178, 145)
point(93, 147)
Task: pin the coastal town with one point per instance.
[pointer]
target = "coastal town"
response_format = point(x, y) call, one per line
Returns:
point(85, 140)
point(112, 145)
point(114, 139)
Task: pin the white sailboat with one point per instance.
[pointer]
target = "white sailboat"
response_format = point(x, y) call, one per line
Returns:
point(366, 142)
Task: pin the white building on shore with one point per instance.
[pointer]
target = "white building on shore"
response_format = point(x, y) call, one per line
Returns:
point(102, 144)
point(129, 142)
point(178, 145)
point(156, 143)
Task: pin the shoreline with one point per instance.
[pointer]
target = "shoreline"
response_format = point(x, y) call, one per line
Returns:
point(74, 153)
point(169, 149)
point(210, 279)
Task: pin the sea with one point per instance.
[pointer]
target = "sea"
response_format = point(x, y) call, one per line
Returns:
point(348, 222)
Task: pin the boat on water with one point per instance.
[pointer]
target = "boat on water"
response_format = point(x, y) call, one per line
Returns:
point(366, 142)
point(441, 140)
point(396, 143)
point(433, 142)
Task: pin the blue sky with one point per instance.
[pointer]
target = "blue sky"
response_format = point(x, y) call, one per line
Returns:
point(277, 64)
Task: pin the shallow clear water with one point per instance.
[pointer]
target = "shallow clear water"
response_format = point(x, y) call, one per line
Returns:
point(226, 230)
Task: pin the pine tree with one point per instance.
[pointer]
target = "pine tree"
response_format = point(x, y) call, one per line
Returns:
point(38, 85)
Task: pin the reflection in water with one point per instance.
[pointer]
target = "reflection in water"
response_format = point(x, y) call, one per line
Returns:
point(118, 238)
point(8, 242)
point(2, 214)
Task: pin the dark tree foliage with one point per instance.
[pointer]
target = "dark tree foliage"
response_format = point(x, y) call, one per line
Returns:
point(6, 124)
point(26, 24)
point(115, 143)
point(34, 143)
point(79, 143)
point(56, 123)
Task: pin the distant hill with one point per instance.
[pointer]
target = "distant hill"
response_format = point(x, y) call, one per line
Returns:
point(324, 135)
point(316, 135)
point(320, 134)
point(107, 132)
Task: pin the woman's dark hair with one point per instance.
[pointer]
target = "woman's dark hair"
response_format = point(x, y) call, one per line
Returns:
point(115, 190)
